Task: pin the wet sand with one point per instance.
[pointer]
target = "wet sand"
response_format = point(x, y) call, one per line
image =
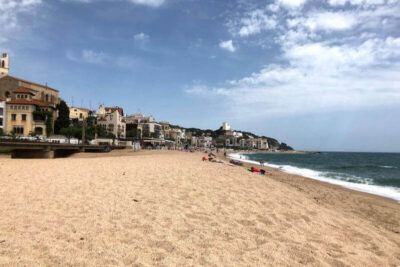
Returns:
point(170, 208)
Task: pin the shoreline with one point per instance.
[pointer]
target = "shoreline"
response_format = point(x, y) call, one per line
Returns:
point(331, 196)
point(380, 191)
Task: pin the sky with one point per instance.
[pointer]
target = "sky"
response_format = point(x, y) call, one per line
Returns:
point(318, 75)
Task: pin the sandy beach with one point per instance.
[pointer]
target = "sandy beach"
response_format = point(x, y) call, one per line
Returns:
point(171, 209)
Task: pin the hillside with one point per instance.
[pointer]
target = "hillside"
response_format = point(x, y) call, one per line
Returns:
point(272, 142)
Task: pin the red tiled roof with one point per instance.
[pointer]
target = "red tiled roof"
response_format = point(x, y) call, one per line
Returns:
point(24, 91)
point(25, 81)
point(120, 110)
point(24, 101)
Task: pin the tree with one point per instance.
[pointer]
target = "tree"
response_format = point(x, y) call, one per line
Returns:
point(70, 132)
point(284, 146)
point(134, 133)
point(63, 117)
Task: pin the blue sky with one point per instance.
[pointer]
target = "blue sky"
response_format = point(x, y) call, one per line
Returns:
point(319, 75)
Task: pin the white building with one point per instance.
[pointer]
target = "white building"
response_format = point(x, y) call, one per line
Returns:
point(205, 141)
point(226, 126)
point(234, 133)
point(112, 119)
point(4, 65)
point(3, 116)
point(139, 118)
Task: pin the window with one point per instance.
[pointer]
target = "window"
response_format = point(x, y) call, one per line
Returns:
point(47, 98)
point(80, 115)
point(13, 117)
point(1, 121)
point(23, 117)
point(1, 111)
point(18, 130)
point(3, 64)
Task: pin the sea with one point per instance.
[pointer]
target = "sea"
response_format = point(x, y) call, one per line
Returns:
point(374, 173)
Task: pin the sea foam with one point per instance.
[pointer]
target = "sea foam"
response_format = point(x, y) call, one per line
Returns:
point(384, 191)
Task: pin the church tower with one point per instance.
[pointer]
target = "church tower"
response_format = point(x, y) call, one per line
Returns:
point(4, 65)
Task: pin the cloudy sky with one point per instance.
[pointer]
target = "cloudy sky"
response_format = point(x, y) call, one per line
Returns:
point(319, 75)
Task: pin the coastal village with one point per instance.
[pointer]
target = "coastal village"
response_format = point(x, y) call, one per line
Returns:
point(32, 111)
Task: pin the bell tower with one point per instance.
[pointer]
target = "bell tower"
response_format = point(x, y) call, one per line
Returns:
point(4, 65)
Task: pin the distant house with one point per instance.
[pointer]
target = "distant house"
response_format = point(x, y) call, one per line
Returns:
point(112, 120)
point(204, 141)
point(254, 143)
point(79, 114)
point(27, 115)
point(226, 126)
point(146, 126)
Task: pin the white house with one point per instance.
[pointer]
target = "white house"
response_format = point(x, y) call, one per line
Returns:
point(226, 126)
point(112, 119)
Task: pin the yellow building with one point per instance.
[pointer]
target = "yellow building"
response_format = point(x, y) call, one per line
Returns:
point(79, 114)
point(26, 115)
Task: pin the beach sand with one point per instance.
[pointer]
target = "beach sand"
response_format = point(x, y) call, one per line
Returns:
point(170, 208)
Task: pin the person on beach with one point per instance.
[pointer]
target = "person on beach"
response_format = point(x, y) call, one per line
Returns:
point(262, 162)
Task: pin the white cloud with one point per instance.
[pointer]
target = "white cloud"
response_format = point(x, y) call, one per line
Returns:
point(150, 3)
point(92, 57)
point(255, 22)
point(318, 78)
point(335, 57)
point(141, 37)
point(336, 21)
point(356, 2)
point(291, 4)
point(10, 9)
point(227, 45)
point(89, 56)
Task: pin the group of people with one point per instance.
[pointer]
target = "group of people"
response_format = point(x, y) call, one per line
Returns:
point(211, 158)
point(260, 171)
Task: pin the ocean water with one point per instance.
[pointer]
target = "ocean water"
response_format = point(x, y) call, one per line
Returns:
point(375, 173)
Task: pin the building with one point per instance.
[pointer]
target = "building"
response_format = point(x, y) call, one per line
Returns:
point(145, 126)
point(8, 84)
point(4, 65)
point(3, 116)
point(261, 143)
point(150, 129)
point(231, 141)
point(233, 133)
point(139, 118)
point(204, 141)
point(254, 143)
point(27, 115)
point(112, 120)
point(42, 93)
point(79, 114)
point(165, 126)
point(226, 126)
